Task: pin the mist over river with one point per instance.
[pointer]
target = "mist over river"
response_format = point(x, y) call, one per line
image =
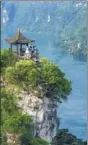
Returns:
point(73, 112)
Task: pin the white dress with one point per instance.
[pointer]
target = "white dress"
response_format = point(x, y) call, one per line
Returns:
point(27, 53)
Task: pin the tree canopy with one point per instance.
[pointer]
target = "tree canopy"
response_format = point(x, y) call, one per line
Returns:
point(7, 59)
point(18, 124)
point(64, 137)
point(39, 141)
point(8, 104)
point(27, 74)
point(55, 82)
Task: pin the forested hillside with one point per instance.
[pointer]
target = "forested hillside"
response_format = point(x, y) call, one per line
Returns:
point(66, 21)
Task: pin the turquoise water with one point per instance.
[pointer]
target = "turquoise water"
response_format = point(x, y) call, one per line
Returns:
point(72, 112)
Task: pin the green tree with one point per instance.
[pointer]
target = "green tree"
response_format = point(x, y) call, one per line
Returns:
point(63, 137)
point(18, 124)
point(39, 141)
point(24, 74)
point(22, 126)
point(27, 74)
point(13, 122)
point(8, 104)
point(56, 85)
point(7, 59)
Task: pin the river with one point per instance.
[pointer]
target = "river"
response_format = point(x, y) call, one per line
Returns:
point(72, 112)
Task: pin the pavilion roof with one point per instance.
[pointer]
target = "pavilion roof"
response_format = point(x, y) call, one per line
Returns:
point(19, 38)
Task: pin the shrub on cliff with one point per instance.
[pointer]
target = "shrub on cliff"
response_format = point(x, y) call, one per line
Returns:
point(24, 74)
point(19, 127)
point(63, 137)
point(56, 84)
point(8, 104)
point(19, 124)
point(39, 141)
point(7, 58)
point(27, 74)
point(14, 124)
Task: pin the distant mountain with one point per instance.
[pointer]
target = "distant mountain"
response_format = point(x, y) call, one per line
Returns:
point(65, 20)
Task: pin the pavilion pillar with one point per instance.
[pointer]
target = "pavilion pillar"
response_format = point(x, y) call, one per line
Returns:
point(11, 46)
point(20, 49)
point(17, 50)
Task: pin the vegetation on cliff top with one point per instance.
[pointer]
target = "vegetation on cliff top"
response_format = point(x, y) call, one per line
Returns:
point(27, 74)
point(7, 59)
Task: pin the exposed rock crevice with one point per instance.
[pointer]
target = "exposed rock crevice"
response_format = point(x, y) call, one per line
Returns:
point(43, 112)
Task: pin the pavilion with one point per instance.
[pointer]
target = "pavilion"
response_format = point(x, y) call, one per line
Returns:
point(21, 44)
point(19, 40)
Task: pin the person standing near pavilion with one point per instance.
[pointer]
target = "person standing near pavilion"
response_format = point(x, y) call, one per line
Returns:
point(27, 53)
point(37, 54)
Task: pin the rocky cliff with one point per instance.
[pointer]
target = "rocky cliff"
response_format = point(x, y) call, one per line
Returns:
point(43, 112)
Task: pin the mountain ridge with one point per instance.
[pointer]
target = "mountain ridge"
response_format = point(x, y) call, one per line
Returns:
point(65, 20)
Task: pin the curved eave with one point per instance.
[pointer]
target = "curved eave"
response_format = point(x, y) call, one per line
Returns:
point(19, 41)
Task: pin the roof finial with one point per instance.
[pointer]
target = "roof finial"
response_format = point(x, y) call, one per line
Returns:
point(19, 30)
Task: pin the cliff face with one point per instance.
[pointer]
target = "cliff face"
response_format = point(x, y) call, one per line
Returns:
point(49, 122)
point(31, 104)
point(43, 111)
